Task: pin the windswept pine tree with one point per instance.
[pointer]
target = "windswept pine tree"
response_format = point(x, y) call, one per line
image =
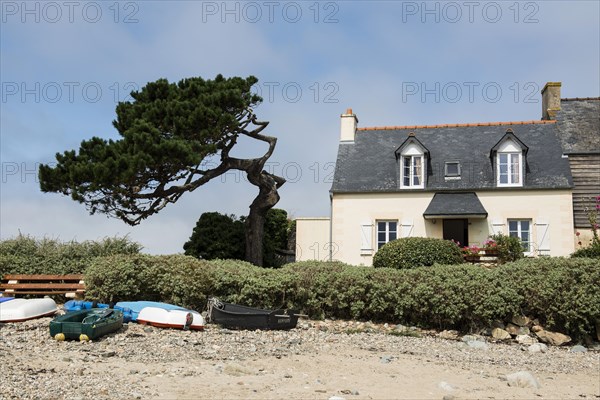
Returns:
point(169, 133)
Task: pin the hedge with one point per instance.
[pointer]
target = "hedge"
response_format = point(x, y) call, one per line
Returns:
point(27, 255)
point(562, 293)
point(413, 252)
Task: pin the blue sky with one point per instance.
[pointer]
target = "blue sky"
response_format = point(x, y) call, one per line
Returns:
point(65, 65)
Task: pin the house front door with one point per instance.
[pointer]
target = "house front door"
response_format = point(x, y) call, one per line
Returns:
point(457, 230)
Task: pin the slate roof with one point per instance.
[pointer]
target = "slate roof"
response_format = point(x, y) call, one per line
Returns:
point(578, 124)
point(369, 165)
point(455, 204)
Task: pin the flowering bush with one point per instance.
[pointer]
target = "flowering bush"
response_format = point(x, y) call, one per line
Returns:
point(592, 214)
point(490, 244)
point(470, 250)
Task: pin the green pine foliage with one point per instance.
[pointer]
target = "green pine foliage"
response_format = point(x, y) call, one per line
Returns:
point(415, 252)
point(167, 131)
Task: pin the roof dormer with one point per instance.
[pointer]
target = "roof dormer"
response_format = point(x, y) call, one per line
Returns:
point(508, 158)
point(412, 158)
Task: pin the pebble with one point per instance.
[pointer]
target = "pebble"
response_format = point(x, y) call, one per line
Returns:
point(578, 349)
point(477, 344)
point(522, 379)
point(538, 348)
point(386, 359)
point(525, 339)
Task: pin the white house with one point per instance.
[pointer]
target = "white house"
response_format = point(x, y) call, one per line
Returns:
point(457, 181)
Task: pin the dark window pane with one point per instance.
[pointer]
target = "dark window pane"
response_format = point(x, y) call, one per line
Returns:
point(452, 169)
point(392, 236)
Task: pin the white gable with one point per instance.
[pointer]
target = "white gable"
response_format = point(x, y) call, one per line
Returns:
point(509, 146)
point(412, 149)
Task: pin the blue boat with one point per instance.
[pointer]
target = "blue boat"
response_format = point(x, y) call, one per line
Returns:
point(78, 305)
point(130, 309)
point(3, 299)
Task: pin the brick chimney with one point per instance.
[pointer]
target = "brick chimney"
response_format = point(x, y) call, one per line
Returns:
point(551, 100)
point(348, 126)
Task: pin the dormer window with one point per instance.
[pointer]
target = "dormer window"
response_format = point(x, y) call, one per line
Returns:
point(509, 169)
point(412, 157)
point(509, 156)
point(412, 171)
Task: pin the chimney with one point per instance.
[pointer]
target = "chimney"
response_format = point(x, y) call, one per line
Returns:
point(551, 100)
point(348, 126)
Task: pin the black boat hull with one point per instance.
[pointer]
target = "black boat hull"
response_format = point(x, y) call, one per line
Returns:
point(234, 316)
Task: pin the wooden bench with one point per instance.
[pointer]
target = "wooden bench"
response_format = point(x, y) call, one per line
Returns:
point(71, 285)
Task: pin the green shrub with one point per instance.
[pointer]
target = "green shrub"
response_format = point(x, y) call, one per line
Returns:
point(27, 255)
point(509, 248)
point(415, 252)
point(591, 251)
point(562, 293)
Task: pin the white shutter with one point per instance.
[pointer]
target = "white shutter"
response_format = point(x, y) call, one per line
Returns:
point(543, 237)
point(407, 227)
point(366, 235)
point(497, 227)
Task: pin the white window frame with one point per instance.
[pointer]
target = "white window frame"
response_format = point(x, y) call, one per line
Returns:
point(413, 152)
point(386, 231)
point(519, 232)
point(514, 156)
point(412, 174)
point(510, 166)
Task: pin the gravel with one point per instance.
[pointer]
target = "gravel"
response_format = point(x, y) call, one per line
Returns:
point(33, 365)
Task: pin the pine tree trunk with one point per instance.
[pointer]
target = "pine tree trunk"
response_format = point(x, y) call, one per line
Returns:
point(266, 199)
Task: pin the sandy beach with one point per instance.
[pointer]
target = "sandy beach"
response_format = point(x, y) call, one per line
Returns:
point(318, 360)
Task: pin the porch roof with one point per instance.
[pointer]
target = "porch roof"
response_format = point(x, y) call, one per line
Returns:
point(455, 205)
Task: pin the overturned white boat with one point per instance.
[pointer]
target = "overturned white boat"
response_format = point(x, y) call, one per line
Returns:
point(178, 319)
point(18, 310)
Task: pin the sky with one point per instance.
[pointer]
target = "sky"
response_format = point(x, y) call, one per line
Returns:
point(65, 65)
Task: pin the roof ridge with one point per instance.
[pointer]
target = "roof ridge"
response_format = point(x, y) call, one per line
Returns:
point(379, 128)
point(579, 98)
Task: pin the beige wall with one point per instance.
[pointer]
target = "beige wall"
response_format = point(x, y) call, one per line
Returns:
point(312, 239)
point(355, 215)
point(585, 237)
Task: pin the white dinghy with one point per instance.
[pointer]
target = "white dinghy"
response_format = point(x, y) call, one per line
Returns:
point(179, 319)
point(18, 310)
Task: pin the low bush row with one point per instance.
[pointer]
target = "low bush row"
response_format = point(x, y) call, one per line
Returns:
point(27, 255)
point(562, 293)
